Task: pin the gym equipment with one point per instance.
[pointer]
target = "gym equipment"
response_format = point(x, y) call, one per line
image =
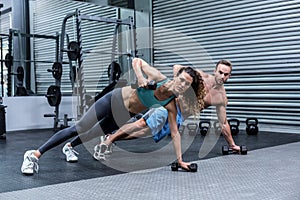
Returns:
point(19, 73)
point(53, 95)
point(73, 50)
point(193, 167)
point(181, 129)
point(114, 71)
point(226, 150)
point(27, 68)
point(9, 61)
point(217, 128)
point(192, 127)
point(65, 121)
point(21, 91)
point(234, 126)
point(2, 121)
point(204, 127)
point(56, 70)
point(151, 85)
point(251, 126)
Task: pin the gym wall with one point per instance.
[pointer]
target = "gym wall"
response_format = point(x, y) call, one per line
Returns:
point(261, 38)
point(48, 18)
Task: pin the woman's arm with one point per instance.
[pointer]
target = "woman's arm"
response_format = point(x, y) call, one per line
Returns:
point(141, 67)
point(172, 112)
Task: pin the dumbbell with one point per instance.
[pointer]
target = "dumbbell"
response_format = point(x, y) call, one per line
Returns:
point(192, 127)
point(234, 126)
point(226, 150)
point(151, 85)
point(193, 167)
point(204, 127)
point(251, 126)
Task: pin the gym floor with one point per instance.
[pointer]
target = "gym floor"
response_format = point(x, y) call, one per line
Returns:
point(270, 154)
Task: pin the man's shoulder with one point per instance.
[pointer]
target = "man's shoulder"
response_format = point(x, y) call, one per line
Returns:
point(203, 74)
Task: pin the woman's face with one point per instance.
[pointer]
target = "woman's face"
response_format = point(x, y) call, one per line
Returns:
point(182, 82)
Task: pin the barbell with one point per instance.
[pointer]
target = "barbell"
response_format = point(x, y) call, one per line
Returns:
point(73, 51)
point(9, 60)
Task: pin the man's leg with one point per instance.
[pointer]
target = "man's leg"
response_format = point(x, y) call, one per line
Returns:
point(152, 122)
point(105, 126)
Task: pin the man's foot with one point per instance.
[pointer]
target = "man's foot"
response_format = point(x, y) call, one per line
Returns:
point(30, 165)
point(99, 151)
point(70, 153)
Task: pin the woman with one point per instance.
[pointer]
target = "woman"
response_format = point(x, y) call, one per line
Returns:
point(122, 103)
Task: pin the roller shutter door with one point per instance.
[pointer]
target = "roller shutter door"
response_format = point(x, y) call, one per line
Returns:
point(262, 40)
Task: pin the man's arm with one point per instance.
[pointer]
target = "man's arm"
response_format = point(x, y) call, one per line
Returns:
point(225, 127)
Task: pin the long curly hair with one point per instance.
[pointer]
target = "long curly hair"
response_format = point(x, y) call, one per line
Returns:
point(194, 96)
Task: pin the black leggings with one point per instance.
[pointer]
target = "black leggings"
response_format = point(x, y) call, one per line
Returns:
point(106, 126)
point(111, 106)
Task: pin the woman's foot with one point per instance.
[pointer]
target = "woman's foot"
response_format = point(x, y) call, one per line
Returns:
point(30, 163)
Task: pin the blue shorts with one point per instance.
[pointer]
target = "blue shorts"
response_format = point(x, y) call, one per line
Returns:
point(157, 120)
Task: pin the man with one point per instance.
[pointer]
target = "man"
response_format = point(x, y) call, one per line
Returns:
point(155, 121)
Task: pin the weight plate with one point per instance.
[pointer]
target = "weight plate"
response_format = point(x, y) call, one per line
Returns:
point(73, 50)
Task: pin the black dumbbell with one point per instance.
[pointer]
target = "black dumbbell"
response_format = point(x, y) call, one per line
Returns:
point(204, 127)
point(234, 126)
point(226, 150)
point(251, 126)
point(193, 167)
point(192, 127)
point(151, 85)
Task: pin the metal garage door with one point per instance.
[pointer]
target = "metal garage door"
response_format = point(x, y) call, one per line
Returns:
point(262, 40)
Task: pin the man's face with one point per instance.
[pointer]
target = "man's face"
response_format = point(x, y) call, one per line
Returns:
point(222, 74)
point(182, 82)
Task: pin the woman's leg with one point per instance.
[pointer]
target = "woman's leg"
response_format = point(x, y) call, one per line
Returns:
point(99, 110)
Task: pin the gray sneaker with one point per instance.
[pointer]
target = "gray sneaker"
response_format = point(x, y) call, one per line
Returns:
point(109, 148)
point(99, 151)
point(70, 153)
point(30, 165)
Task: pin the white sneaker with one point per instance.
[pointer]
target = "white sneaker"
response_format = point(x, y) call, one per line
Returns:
point(99, 151)
point(70, 153)
point(109, 149)
point(30, 165)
